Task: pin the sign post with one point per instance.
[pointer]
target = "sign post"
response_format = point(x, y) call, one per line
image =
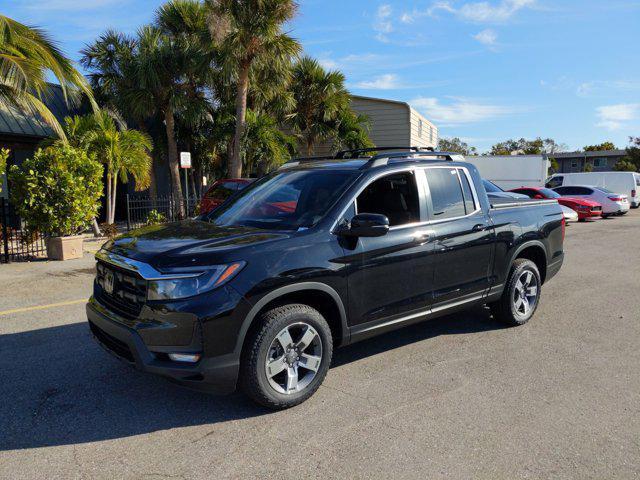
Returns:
point(185, 163)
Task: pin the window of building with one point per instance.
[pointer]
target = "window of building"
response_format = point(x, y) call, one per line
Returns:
point(420, 128)
point(446, 193)
point(599, 162)
point(395, 196)
point(431, 134)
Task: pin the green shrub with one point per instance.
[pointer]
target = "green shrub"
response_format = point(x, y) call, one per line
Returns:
point(58, 190)
point(155, 217)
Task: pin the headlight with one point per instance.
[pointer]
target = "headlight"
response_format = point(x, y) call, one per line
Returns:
point(188, 284)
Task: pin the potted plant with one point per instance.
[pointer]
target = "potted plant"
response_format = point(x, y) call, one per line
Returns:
point(57, 192)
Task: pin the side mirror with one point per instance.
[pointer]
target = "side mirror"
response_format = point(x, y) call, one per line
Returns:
point(367, 225)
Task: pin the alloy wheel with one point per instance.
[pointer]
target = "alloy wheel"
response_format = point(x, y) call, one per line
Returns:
point(525, 293)
point(293, 358)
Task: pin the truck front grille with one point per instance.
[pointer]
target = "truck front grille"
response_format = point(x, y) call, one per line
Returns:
point(120, 291)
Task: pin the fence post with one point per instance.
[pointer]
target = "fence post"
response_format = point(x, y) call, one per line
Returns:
point(4, 216)
point(128, 215)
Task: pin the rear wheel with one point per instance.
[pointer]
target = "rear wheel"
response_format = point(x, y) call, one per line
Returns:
point(521, 294)
point(287, 357)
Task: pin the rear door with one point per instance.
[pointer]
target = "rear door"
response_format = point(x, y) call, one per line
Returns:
point(464, 237)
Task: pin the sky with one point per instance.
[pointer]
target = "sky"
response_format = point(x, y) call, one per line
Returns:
point(484, 71)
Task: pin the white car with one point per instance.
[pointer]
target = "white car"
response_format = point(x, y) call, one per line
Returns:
point(612, 203)
point(569, 214)
point(627, 183)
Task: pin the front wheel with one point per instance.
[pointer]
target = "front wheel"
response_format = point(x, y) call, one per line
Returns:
point(287, 357)
point(521, 294)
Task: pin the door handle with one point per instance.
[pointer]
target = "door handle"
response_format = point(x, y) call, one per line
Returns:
point(480, 227)
point(422, 235)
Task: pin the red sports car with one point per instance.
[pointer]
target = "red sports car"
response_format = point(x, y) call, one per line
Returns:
point(220, 190)
point(585, 208)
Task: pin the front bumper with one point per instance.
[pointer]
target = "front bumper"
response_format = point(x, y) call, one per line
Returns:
point(211, 374)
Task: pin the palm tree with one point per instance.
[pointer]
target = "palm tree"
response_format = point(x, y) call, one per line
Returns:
point(321, 100)
point(264, 145)
point(124, 152)
point(250, 36)
point(27, 56)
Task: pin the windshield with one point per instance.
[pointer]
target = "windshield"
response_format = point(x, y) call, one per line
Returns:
point(284, 200)
point(491, 187)
point(603, 189)
point(548, 193)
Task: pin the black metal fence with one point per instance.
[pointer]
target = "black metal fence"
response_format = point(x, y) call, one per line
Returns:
point(161, 209)
point(18, 243)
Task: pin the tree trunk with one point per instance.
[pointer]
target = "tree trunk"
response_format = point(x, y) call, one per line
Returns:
point(96, 228)
point(153, 182)
point(108, 198)
point(309, 146)
point(235, 163)
point(174, 168)
point(112, 218)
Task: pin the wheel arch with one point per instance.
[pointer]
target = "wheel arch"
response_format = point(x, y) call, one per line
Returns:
point(535, 251)
point(317, 295)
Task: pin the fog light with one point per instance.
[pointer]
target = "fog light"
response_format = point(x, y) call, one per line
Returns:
point(185, 357)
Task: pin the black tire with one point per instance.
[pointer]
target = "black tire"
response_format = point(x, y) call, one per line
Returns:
point(253, 377)
point(505, 309)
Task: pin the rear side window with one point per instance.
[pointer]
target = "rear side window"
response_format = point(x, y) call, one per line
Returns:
point(395, 196)
point(222, 191)
point(637, 180)
point(469, 202)
point(446, 193)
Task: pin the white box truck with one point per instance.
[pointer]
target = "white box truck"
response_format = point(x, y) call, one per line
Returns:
point(512, 171)
point(627, 183)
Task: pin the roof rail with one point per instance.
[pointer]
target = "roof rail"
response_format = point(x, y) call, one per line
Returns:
point(294, 162)
point(431, 156)
point(355, 153)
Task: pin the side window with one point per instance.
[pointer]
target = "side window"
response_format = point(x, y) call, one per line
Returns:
point(554, 182)
point(469, 202)
point(395, 196)
point(446, 193)
point(582, 191)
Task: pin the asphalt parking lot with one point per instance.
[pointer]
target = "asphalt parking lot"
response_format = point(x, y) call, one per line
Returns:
point(459, 397)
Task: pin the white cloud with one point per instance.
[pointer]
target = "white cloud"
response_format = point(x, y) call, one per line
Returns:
point(487, 37)
point(328, 63)
point(477, 12)
point(460, 110)
point(484, 12)
point(616, 117)
point(383, 23)
point(383, 82)
point(597, 87)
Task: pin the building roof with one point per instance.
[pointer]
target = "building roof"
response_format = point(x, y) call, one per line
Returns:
point(15, 122)
point(596, 153)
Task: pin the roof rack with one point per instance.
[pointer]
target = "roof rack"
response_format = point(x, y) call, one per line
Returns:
point(430, 156)
point(397, 154)
point(355, 153)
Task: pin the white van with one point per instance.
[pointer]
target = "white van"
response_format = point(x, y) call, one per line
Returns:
point(627, 183)
point(512, 171)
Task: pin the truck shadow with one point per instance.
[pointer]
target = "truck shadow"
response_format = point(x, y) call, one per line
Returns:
point(57, 387)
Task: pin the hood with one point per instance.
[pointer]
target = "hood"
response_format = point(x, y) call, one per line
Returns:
point(190, 242)
point(579, 201)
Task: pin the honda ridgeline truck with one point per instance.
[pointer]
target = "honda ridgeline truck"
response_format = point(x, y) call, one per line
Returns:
point(319, 254)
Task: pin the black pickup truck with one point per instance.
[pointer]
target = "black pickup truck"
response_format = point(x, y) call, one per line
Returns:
point(317, 255)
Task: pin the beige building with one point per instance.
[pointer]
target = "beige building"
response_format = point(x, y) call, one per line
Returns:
point(392, 124)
